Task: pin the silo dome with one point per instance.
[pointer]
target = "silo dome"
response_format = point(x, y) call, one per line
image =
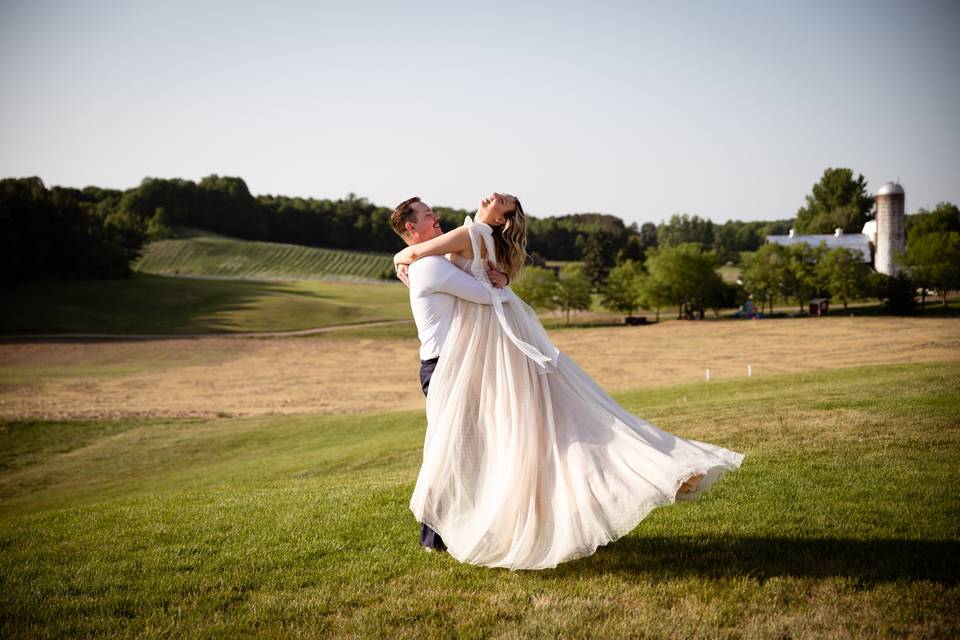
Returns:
point(889, 189)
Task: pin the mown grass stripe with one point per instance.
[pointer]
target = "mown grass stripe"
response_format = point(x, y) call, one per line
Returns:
point(265, 260)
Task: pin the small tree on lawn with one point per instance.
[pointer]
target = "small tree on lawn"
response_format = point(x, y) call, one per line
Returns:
point(653, 293)
point(844, 273)
point(538, 288)
point(573, 291)
point(798, 280)
point(685, 275)
point(763, 273)
point(933, 261)
point(621, 292)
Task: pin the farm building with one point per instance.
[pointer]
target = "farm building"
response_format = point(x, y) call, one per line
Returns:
point(880, 240)
point(856, 241)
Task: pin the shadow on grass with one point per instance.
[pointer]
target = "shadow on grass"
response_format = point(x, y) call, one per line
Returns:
point(868, 561)
point(142, 304)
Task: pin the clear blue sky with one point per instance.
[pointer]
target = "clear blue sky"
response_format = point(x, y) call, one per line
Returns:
point(721, 109)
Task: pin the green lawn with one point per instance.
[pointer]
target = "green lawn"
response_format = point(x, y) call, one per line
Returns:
point(157, 304)
point(173, 305)
point(844, 521)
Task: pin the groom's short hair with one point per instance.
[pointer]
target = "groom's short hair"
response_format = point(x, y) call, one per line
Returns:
point(402, 214)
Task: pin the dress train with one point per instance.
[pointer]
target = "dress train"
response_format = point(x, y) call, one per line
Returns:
point(527, 462)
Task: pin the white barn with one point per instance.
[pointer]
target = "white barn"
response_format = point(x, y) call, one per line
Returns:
point(857, 241)
point(878, 242)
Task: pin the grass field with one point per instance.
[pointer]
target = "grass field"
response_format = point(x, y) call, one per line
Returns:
point(220, 256)
point(843, 522)
point(374, 368)
point(156, 304)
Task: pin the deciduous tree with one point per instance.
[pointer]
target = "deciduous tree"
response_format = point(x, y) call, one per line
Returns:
point(837, 200)
point(684, 228)
point(763, 273)
point(538, 288)
point(598, 257)
point(686, 276)
point(573, 291)
point(944, 218)
point(933, 261)
point(798, 278)
point(845, 274)
point(622, 290)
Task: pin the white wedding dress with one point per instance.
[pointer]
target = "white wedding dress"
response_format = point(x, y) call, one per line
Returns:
point(527, 463)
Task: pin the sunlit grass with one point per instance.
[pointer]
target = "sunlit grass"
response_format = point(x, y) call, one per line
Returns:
point(841, 522)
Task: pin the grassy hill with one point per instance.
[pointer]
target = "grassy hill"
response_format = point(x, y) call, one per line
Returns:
point(157, 304)
point(216, 256)
point(841, 523)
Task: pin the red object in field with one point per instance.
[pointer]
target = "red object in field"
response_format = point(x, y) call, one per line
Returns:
point(818, 306)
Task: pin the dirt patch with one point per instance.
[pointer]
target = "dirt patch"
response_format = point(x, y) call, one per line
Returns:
point(214, 376)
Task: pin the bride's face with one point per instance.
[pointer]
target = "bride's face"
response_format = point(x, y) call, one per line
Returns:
point(495, 207)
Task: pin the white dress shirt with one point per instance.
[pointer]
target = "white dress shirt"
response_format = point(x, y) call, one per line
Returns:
point(435, 284)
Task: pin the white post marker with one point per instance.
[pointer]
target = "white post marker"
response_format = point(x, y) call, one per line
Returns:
point(708, 375)
point(749, 370)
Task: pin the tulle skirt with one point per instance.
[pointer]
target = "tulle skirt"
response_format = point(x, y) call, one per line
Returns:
point(525, 469)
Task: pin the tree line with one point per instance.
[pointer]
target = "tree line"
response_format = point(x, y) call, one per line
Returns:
point(96, 232)
point(63, 233)
point(683, 277)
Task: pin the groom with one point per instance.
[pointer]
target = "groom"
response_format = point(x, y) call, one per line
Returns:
point(435, 283)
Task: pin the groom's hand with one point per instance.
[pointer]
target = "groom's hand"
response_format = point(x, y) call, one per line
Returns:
point(497, 278)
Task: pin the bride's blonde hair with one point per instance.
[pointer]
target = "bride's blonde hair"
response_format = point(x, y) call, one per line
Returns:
point(510, 242)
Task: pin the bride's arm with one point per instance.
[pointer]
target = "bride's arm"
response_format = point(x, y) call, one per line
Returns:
point(456, 241)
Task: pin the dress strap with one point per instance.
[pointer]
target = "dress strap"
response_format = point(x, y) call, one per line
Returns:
point(480, 232)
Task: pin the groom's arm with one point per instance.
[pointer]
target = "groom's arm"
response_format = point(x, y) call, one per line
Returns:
point(469, 288)
point(496, 277)
point(441, 276)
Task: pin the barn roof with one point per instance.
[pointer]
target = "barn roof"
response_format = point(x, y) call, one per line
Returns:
point(856, 241)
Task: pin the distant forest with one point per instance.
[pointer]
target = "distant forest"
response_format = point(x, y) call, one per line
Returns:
point(94, 232)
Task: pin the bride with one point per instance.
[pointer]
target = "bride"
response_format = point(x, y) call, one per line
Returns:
point(527, 462)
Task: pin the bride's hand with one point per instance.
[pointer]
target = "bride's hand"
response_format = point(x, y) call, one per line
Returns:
point(401, 260)
point(401, 270)
point(497, 278)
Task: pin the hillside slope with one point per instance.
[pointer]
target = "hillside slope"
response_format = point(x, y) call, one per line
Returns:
point(222, 257)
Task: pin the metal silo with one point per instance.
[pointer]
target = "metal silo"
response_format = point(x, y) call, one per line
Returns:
point(890, 233)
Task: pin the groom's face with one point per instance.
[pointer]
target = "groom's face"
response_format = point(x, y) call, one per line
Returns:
point(427, 225)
